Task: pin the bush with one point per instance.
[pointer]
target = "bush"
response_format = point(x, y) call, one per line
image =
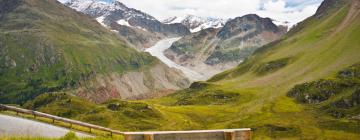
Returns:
point(272, 66)
point(70, 136)
point(315, 92)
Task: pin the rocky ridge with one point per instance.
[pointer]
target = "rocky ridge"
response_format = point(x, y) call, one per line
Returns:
point(211, 51)
point(196, 23)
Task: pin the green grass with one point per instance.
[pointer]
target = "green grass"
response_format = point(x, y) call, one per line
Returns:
point(116, 114)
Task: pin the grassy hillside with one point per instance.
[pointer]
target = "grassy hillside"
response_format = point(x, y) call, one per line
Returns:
point(258, 93)
point(46, 47)
point(305, 86)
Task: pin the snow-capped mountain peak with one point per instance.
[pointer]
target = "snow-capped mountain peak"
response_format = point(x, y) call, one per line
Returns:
point(128, 22)
point(104, 11)
point(97, 8)
point(196, 23)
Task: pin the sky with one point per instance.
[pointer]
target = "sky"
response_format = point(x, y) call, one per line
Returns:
point(292, 11)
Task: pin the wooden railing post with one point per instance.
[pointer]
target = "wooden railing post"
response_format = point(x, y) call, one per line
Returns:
point(148, 137)
point(229, 135)
point(127, 137)
point(244, 135)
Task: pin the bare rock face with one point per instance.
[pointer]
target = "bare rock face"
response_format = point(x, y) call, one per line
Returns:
point(211, 51)
point(7, 6)
point(250, 25)
point(155, 82)
point(326, 6)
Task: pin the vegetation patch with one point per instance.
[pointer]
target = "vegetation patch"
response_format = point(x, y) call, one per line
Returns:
point(339, 97)
point(199, 85)
point(133, 110)
point(347, 106)
point(321, 90)
point(209, 97)
point(272, 66)
point(123, 115)
point(278, 131)
point(348, 126)
point(315, 92)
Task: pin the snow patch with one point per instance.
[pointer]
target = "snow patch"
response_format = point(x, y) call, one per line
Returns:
point(289, 25)
point(123, 22)
point(101, 21)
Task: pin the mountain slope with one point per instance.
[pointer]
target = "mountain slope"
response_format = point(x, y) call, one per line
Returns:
point(195, 23)
point(47, 47)
point(139, 28)
point(279, 90)
point(211, 51)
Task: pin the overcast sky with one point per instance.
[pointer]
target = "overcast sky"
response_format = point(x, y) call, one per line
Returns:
point(283, 10)
point(292, 11)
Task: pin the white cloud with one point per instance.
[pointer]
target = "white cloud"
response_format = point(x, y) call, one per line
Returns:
point(275, 6)
point(214, 8)
point(282, 10)
point(277, 10)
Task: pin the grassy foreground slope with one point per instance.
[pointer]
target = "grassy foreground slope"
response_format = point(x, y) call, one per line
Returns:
point(278, 92)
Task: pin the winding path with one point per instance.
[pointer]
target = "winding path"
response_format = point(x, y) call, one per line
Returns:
point(158, 51)
point(14, 126)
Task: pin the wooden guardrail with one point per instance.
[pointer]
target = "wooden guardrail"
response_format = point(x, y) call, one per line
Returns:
point(56, 118)
point(223, 134)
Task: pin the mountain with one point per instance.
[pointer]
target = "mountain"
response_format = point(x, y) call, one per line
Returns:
point(139, 28)
point(303, 86)
point(211, 50)
point(195, 23)
point(47, 47)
